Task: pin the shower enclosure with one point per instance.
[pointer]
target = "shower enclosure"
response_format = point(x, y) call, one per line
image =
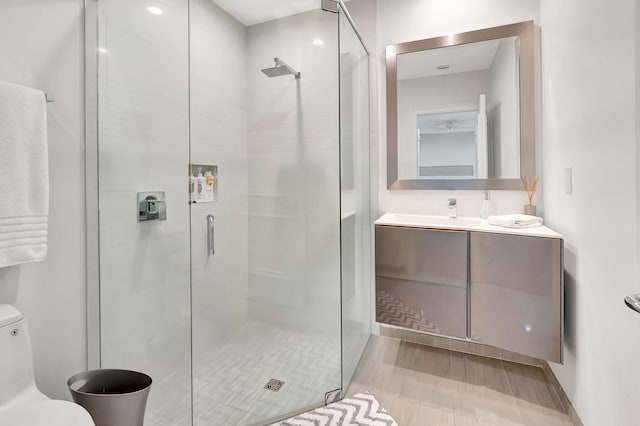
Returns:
point(228, 199)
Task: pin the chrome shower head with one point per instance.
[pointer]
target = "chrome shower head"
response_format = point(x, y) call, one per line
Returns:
point(280, 69)
point(276, 71)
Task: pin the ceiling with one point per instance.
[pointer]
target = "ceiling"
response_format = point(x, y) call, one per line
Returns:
point(461, 58)
point(448, 122)
point(250, 12)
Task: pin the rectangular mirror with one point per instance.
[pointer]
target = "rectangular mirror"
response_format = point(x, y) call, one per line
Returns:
point(460, 110)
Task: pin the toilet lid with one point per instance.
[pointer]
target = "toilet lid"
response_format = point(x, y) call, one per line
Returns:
point(46, 413)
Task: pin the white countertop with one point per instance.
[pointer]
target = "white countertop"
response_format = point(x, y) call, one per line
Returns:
point(460, 223)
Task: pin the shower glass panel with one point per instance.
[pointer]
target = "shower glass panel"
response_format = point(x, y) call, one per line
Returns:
point(143, 145)
point(266, 303)
point(355, 197)
point(239, 301)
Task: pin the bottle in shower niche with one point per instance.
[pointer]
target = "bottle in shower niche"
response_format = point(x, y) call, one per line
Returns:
point(209, 180)
point(192, 186)
point(200, 183)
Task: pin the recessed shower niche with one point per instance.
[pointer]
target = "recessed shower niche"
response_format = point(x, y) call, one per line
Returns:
point(203, 183)
point(168, 109)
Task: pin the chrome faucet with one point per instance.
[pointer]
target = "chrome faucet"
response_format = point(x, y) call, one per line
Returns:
point(453, 208)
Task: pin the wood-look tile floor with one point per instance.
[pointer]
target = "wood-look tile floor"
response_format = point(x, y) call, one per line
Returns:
point(424, 386)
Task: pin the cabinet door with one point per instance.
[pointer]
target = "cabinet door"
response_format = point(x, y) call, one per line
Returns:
point(516, 293)
point(421, 279)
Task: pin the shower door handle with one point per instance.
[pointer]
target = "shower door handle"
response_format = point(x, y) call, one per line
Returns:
point(210, 236)
point(633, 302)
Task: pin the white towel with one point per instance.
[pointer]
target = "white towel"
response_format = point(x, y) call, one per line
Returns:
point(515, 221)
point(24, 175)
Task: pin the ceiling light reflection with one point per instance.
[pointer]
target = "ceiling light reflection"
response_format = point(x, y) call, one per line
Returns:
point(154, 10)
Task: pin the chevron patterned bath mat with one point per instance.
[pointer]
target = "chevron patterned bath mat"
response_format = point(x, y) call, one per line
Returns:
point(357, 410)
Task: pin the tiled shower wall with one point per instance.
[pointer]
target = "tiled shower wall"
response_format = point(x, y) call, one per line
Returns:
point(294, 211)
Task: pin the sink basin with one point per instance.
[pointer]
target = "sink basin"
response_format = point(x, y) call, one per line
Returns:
point(428, 221)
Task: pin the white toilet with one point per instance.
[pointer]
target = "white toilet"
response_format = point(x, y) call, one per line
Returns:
point(21, 403)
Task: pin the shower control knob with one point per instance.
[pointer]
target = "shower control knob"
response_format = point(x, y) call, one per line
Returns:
point(151, 206)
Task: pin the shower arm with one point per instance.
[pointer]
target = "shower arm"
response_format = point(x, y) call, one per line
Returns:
point(280, 63)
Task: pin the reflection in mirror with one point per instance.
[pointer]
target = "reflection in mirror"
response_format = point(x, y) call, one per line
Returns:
point(449, 146)
point(460, 110)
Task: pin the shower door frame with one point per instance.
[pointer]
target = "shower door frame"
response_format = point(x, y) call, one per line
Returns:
point(92, 182)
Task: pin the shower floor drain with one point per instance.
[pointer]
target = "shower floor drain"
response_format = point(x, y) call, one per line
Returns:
point(274, 385)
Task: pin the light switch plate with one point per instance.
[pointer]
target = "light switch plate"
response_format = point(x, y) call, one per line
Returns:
point(567, 180)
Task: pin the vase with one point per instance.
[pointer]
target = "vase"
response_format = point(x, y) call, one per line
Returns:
point(530, 209)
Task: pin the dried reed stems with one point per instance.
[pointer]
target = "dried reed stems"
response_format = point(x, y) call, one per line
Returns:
point(529, 187)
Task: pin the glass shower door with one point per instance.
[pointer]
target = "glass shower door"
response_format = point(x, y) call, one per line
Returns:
point(143, 146)
point(266, 249)
point(355, 197)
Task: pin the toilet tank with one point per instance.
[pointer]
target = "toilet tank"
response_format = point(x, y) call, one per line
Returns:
point(16, 362)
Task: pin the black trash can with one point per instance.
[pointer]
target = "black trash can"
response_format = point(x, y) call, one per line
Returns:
point(112, 397)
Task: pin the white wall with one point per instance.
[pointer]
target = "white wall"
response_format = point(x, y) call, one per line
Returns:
point(405, 20)
point(637, 40)
point(448, 149)
point(41, 46)
point(505, 109)
point(589, 111)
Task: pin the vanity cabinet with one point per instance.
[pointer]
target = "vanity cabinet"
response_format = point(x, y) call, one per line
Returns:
point(421, 279)
point(516, 293)
point(494, 288)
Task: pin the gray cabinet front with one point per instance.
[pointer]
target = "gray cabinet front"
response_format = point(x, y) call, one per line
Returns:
point(421, 279)
point(516, 293)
